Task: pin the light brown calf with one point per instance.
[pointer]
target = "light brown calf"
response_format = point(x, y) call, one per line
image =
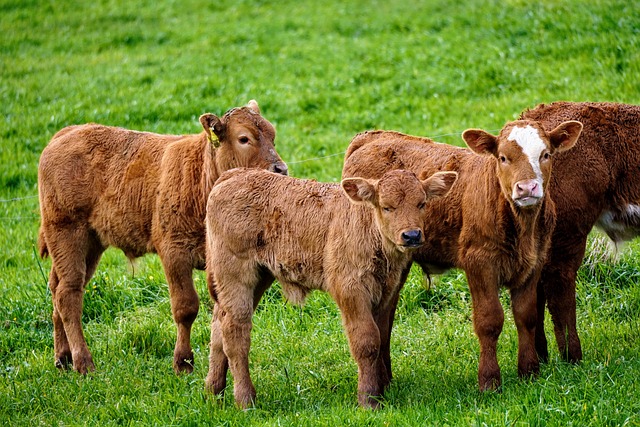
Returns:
point(352, 240)
point(598, 183)
point(495, 223)
point(103, 186)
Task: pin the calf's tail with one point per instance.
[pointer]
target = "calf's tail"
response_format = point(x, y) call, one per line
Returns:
point(42, 245)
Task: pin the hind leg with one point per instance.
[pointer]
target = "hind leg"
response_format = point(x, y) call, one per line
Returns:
point(73, 256)
point(559, 289)
point(216, 380)
point(239, 285)
point(61, 348)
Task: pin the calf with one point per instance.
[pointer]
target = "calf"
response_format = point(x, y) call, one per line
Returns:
point(103, 186)
point(352, 240)
point(495, 223)
point(598, 184)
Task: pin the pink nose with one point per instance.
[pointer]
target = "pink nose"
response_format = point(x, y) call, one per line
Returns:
point(527, 188)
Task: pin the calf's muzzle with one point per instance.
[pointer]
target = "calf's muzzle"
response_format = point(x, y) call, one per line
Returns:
point(412, 238)
point(527, 192)
point(279, 167)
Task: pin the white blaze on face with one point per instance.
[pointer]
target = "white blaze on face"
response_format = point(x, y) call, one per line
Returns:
point(531, 144)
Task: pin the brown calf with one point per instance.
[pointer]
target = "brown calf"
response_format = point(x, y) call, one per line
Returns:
point(495, 223)
point(103, 186)
point(597, 184)
point(351, 240)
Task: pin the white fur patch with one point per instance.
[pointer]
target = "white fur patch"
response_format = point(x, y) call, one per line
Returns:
point(620, 226)
point(532, 145)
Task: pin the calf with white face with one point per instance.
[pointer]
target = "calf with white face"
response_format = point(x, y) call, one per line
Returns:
point(495, 223)
point(523, 150)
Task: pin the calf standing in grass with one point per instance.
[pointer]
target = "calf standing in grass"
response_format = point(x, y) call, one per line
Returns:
point(597, 183)
point(352, 240)
point(103, 186)
point(495, 223)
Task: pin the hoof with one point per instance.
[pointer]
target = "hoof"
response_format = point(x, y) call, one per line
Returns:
point(491, 384)
point(370, 402)
point(64, 362)
point(245, 400)
point(183, 365)
point(83, 365)
point(215, 386)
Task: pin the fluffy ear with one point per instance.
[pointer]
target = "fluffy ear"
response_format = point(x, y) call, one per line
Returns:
point(565, 135)
point(439, 184)
point(480, 141)
point(214, 128)
point(253, 105)
point(359, 190)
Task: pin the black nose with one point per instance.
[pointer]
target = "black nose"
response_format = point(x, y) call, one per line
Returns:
point(412, 237)
point(280, 168)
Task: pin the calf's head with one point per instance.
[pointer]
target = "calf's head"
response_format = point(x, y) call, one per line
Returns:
point(243, 138)
point(523, 151)
point(399, 200)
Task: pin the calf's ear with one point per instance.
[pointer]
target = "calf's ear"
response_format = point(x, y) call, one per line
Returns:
point(565, 135)
point(253, 105)
point(359, 190)
point(480, 141)
point(214, 128)
point(439, 184)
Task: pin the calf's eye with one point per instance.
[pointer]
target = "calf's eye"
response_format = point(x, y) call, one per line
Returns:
point(243, 139)
point(503, 159)
point(422, 205)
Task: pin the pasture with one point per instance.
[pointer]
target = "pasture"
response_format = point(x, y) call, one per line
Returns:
point(321, 72)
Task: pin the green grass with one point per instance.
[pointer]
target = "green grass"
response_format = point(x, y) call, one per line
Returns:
point(321, 72)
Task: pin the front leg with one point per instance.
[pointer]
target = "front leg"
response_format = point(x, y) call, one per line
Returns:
point(384, 321)
point(524, 307)
point(364, 343)
point(184, 303)
point(488, 319)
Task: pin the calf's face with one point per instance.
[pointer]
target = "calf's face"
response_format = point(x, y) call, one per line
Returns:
point(399, 200)
point(243, 138)
point(524, 156)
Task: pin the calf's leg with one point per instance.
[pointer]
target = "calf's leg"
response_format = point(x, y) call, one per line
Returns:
point(542, 347)
point(558, 282)
point(523, 305)
point(61, 348)
point(364, 341)
point(216, 380)
point(384, 321)
point(236, 340)
point(69, 247)
point(488, 319)
point(178, 270)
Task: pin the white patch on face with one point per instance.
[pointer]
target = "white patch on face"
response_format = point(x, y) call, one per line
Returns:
point(531, 144)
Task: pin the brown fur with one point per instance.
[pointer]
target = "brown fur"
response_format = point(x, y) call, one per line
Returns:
point(352, 242)
point(593, 185)
point(478, 226)
point(103, 186)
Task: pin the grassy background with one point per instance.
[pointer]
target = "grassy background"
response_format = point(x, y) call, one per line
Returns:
point(321, 73)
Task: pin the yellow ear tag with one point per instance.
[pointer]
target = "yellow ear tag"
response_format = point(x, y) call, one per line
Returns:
point(213, 138)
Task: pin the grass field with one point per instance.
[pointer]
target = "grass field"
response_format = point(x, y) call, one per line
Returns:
point(321, 72)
